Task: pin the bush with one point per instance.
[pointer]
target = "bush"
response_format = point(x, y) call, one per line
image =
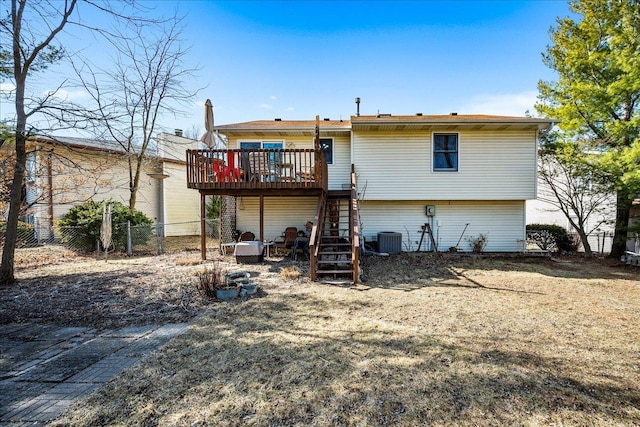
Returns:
point(210, 280)
point(80, 227)
point(477, 243)
point(551, 237)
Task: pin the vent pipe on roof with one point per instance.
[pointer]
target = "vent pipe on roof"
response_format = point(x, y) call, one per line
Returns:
point(178, 132)
point(358, 107)
point(453, 114)
point(278, 119)
point(326, 119)
point(418, 114)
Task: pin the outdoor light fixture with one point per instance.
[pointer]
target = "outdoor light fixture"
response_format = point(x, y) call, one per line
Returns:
point(158, 175)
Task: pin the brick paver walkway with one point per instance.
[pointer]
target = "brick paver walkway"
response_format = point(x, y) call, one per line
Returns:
point(44, 368)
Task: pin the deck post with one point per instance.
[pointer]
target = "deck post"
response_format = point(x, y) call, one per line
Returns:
point(262, 218)
point(203, 228)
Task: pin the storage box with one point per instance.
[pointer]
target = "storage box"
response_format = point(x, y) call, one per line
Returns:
point(247, 252)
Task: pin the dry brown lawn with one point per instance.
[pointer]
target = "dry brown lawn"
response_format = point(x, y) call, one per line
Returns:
point(447, 340)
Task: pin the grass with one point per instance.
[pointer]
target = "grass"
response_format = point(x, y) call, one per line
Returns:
point(426, 341)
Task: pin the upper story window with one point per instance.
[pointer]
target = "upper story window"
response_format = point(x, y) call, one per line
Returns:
point(445, 152)
point(326, 146)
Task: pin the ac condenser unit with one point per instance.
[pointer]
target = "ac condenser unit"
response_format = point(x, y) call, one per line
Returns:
point(390, 242)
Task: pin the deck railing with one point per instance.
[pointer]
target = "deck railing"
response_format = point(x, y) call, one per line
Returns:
point(256, 169)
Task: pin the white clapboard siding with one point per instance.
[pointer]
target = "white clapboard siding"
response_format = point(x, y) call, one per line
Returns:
point(340, 170)
point(279, 213)
point(181, 205)
point(502, 222)
point(492, 166)
point(100, 183)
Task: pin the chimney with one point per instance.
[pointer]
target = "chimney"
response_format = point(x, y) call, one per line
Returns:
point(178, 132)
point(358, 106)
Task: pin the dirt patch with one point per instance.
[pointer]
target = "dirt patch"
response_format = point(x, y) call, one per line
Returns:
point(59, 286)
point(426, 340)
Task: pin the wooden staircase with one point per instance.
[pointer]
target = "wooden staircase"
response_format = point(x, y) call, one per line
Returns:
point(335, 253)
point(335, 239)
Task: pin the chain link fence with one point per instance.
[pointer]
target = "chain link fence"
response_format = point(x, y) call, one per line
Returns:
point(151, 239)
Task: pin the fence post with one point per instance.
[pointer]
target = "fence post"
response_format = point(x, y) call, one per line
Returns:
point(160, 237)
point(129, 244)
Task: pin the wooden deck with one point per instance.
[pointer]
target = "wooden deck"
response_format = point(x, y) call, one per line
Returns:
point(257, 172)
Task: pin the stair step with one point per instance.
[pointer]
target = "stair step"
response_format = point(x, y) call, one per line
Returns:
point(346, 261)
point(334, 253)
point(337, 281)
point(334, 272)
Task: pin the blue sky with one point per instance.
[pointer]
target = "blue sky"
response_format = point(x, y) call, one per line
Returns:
point(296, 59)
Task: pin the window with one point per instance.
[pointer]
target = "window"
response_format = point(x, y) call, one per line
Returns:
point(274, 158)
point(326, 146)
point(445, 152)
point(256, 145)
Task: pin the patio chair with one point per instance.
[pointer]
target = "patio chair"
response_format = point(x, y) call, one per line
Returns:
point(287, 240)
point(247, 236)
point(307, 176)
point(261, 167)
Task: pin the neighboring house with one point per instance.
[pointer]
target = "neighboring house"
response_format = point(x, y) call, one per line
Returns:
point(66, 171)
point(600, 225)
point(464, 175)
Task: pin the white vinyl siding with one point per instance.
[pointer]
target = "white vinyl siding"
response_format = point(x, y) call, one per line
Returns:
point(502, 222)
point(492, 165)
point(181, 205)
point(279, 213)
point(103, 177)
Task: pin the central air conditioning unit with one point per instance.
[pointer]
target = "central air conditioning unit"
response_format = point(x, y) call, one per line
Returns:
point(390, 242)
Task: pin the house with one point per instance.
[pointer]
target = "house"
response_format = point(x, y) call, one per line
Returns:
point(378, 179)
point(599, 225)
point(66, 171)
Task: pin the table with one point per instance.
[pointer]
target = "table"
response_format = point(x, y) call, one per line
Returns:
point(267, 245)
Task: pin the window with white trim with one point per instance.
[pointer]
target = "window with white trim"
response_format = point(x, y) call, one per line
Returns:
point(326, 146)
point(445, 152)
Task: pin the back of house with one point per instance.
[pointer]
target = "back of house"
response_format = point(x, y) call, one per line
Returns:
point(466, 176)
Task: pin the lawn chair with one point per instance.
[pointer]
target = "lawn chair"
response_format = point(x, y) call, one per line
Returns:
point(260, 165)
point(247, 236)
point(286, 242)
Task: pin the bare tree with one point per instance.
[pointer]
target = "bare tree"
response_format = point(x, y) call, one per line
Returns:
point(31, 51)
point(33, 29)
point(194, 132)
point(578, 190)
point(144, 83)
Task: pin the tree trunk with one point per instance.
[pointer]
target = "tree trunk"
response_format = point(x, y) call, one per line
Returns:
point(7, 267)
point(623, 209)
point(585, 243)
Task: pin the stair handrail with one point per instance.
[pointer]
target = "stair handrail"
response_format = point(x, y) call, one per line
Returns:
point(316, 234)
point(355, 226)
